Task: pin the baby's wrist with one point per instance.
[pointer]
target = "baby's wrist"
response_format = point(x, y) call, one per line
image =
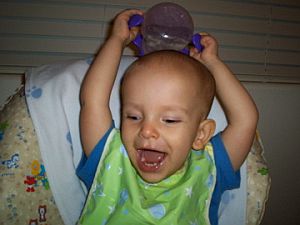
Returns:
point(117, 41)
point(213, 62)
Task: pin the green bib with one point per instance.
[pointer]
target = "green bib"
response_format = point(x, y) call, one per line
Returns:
point(119, 196)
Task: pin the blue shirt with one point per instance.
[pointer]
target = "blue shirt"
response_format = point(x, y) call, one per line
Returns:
point(226, 179)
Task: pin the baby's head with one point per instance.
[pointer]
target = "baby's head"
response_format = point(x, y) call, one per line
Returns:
point(166, 97)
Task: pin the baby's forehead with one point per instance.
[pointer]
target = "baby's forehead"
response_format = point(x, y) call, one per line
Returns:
point(163, 83)
point(167, 64)
point(164, 76)
point(170, 65)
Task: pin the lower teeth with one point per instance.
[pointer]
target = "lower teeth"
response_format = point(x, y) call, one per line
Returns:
point(156, 165)
point(151, 164)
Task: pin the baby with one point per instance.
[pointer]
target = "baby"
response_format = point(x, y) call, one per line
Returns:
point(164, 166)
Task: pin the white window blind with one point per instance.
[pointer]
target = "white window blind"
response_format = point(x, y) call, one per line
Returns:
point(259, 40)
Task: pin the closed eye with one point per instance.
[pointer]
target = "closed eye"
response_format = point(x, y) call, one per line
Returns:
point(171, 121)
point(133, 117)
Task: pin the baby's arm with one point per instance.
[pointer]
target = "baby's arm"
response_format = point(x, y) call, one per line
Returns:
point(95, 115)
point(240, 110)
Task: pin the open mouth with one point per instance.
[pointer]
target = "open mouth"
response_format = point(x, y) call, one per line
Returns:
point(150, 160)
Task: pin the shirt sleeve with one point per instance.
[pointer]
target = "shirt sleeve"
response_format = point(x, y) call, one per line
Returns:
point(88, 165)
point(227, 178)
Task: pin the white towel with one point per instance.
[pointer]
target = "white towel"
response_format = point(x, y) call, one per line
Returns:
point(53, 100)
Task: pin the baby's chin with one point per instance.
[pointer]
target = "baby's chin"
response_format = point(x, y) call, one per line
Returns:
point(152, 179)
point(161, 175)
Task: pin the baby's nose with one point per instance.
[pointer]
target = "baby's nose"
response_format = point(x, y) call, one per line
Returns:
point(149, 130)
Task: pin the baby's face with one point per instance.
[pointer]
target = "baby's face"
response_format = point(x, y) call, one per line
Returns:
point(159, 121)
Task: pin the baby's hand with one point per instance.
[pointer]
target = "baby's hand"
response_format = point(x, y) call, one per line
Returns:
point(120, 28)
point(209, 55)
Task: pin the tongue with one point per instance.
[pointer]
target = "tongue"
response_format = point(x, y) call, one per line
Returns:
point(152, 156)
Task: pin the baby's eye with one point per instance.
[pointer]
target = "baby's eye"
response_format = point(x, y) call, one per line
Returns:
point(171, 121)
point(133, 117)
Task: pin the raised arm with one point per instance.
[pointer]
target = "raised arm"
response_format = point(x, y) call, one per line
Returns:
point(95, 115)
point(240, 110)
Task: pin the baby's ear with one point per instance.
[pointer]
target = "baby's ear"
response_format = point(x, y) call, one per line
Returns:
point(206, 130)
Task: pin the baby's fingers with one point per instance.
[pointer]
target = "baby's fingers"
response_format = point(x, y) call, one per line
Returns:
point(120, 26)
point(194, 53)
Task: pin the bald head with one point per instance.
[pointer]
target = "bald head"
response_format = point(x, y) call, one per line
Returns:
point(171, 66)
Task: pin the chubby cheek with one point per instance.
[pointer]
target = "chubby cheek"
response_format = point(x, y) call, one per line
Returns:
point(127, 134)
point(181, 148)
point(179, 156)
point(128, 141)
point(182, 140)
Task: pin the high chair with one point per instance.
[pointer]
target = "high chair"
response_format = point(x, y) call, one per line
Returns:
point(40, 150)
